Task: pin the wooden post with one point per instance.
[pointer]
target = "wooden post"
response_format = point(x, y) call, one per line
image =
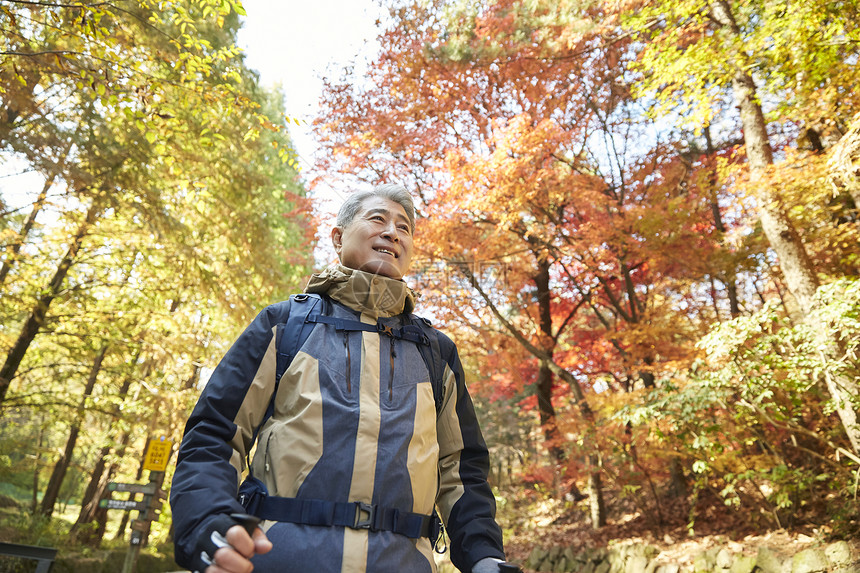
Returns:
point(156, 458)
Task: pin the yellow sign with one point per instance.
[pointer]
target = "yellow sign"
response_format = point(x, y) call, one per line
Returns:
point(157, 455)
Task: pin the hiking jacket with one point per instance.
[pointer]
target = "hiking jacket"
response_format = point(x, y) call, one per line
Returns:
point(354, 420)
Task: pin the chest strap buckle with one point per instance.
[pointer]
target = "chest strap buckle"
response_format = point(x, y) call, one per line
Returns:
point(362, 509)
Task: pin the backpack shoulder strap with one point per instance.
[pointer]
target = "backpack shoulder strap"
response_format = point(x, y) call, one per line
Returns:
point(289, 337)
point(434, 358)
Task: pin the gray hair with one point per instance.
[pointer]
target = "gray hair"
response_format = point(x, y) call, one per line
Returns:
point(392, 191)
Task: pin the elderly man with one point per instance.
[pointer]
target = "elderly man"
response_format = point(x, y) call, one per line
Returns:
point(358, 441)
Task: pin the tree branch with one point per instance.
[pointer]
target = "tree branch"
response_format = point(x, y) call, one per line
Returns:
point(540, 354)
point(55, 5)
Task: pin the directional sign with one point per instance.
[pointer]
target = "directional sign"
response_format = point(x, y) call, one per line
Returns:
point(157, 455)
point(126, 504)
point(147, 488)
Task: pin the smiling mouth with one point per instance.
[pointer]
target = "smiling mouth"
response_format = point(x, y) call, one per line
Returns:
point(387, 252)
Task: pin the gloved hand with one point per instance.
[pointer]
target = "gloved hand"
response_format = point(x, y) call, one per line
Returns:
point(219, 533)
point(492, 565)
point(487, 565)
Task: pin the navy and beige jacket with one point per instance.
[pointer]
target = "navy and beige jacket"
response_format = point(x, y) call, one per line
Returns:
point(354, 421)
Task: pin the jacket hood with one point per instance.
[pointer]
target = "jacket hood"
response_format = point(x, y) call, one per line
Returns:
point(365, 292)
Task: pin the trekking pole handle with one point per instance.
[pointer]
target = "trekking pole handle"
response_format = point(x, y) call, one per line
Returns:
point(509, 568)
point(249, 522)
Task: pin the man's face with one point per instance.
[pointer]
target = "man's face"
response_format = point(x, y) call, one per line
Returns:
point(378, 240)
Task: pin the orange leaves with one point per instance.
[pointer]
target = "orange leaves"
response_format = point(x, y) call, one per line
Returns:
point(521, 176)
point(555, 226)
point(511, 176)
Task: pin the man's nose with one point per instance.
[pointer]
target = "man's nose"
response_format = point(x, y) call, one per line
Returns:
point(390, 231)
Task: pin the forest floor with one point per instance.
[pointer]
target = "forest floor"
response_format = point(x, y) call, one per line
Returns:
point(548, 523)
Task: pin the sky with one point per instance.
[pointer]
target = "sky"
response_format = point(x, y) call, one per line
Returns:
point(295, 43)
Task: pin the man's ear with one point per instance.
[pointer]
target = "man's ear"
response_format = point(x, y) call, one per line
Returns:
point(337, 239)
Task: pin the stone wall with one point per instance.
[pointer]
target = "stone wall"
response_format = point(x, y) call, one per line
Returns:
point(838, 557)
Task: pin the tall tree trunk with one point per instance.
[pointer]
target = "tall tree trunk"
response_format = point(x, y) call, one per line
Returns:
point(544, 383)
point(634, 314)
point(36, 320)
point(52, 491)
point(547, 411)
point(544, 386)
point(596, 504)
point(678, 485)
point(37, 467)
point(13, 249)
point(100, 514)
point(121, 531)
point(730, 277)
point(843, 389)
point(124, 441)
point(94, 513)
point(794, 261)
point(92, 495)
point(97, 486)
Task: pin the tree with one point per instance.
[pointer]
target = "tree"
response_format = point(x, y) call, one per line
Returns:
point(168, 212)
point(133, 147)
point(715, 44)
point(552, 223)
point(62, 465)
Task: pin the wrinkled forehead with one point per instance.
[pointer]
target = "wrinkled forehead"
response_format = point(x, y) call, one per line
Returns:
point(382, 206)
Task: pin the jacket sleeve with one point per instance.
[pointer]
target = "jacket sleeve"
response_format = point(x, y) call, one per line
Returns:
point(465, 500)
point(219, 432)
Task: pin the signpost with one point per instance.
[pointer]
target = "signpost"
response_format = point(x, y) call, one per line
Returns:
point(157, 455)
point(126, 504)
point(145, 488)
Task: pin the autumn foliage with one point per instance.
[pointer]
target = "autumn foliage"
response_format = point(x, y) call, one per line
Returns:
point(613, 243)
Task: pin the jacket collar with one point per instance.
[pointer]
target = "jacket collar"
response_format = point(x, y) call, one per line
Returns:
point(364, 292)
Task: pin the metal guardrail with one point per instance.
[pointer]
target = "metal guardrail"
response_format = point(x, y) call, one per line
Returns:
point(44, 555)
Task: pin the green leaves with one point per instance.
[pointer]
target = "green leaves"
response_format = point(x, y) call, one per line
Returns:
point(747, 413)
point(139, 118)
point(793, 50)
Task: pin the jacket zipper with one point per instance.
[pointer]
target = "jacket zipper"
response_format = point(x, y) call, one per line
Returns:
point(348, 376)
point(267, 457)
point(391, 371)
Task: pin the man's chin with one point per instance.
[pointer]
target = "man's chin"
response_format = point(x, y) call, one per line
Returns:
point(383, 269)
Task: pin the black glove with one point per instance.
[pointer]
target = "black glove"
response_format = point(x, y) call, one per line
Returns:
point(509, 568)
point(213, 537)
